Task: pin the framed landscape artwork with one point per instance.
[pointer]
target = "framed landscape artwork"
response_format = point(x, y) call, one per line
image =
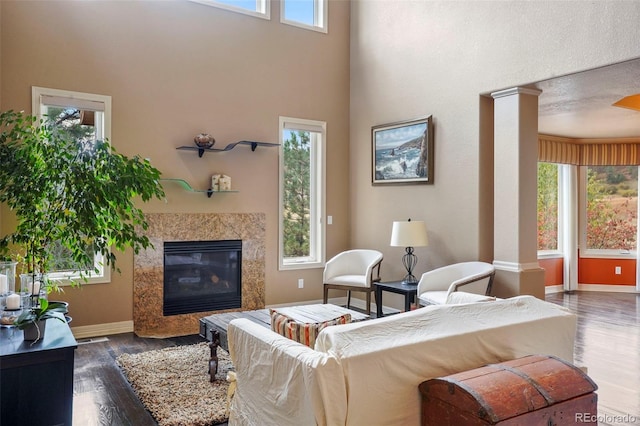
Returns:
point(402, 152)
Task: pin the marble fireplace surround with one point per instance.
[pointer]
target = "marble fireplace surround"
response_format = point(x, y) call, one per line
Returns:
point(148, 275)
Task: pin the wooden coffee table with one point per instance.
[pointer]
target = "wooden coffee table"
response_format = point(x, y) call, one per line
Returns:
point(214, 327)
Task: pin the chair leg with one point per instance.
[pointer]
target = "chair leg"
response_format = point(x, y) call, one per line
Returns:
point(326, 294)
point(368, 303)
point(348, 299)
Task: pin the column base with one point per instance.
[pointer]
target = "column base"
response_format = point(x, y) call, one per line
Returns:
point(514, 279)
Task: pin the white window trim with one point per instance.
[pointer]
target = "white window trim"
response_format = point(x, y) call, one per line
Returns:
point(103, 274)
point(263, 8)
point(88, 101)
point(317, 203)
point(321, 17)
point(550, 254)
point(592, 253)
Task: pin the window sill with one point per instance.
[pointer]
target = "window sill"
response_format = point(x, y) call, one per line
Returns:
point(550, 255)
point(300, 265)
point(607, 255)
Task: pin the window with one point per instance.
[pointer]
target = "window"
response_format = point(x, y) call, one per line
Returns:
point(610, 209)
point(88, 117)
point(302, 192)
point(309, 14)
point(257, 8)
point(548, 211)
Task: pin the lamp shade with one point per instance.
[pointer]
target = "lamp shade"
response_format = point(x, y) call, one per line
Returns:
point(409, 234)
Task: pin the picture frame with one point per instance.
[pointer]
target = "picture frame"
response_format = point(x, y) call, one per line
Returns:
point(402, 152)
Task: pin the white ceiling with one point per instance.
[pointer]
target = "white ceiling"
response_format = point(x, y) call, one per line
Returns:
point(580, 105)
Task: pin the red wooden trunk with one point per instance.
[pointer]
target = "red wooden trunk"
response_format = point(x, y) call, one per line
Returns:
point(534, 390)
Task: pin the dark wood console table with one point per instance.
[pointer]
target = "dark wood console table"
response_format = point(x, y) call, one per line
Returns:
point(36, 380)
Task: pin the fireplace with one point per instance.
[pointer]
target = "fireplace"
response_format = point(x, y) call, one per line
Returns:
point(202, 276)
point(148, 272)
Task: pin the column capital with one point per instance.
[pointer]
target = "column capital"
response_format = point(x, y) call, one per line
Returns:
point(515, 91)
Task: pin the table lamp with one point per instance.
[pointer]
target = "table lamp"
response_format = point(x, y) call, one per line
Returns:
point(409, 235)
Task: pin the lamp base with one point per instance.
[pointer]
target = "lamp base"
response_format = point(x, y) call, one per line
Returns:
point(410, 280)
point(409, 261)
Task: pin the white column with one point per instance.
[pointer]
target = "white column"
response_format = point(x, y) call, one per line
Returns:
point(515, 193)
point(568, 215)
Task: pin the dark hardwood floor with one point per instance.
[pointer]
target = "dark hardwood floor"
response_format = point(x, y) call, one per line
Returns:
point(102, 396)
point(608, 344)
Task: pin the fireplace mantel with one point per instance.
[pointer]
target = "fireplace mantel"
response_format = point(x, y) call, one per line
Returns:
point(148, 319)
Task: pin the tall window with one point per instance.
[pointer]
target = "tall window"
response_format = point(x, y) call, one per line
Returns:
point(87, 117)
point(309, 14)
point(611, 209)
point(548, 211)
point(302, 189)
point(257, 8)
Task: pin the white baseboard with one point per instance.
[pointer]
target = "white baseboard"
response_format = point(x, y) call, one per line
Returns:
point(593, 287)
point(85, 331)
point(609, 288)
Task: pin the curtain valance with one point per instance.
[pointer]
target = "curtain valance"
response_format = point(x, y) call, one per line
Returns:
point(589, 152)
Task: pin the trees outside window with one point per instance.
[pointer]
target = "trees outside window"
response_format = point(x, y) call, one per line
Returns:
point(297, 190)
point(547, 206)
point(302, 191)
point(612, 208)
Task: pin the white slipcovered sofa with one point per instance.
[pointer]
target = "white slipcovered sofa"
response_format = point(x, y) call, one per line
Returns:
point(367, 373)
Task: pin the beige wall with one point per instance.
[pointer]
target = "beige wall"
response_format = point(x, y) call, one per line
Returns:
point(416, 58)
point(175, 69)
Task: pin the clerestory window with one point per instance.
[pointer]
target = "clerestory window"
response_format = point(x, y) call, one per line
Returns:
point(308, 14)
point(257, 8)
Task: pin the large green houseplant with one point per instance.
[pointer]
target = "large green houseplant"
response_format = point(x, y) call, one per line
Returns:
point(71, 194)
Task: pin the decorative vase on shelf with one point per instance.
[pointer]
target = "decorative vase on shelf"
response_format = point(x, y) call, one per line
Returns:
point(204, 140)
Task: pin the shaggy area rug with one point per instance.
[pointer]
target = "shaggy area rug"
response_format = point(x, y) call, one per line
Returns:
point(173, 384)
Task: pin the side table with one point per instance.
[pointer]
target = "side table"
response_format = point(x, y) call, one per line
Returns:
point(36, 379)
point(408, 290)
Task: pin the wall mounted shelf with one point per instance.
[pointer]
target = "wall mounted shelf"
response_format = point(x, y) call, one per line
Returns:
point(229, 147)
point(185, 185)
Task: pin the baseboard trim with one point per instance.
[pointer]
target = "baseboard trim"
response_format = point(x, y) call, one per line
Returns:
point(85, 331)
point(551, 289)
point(593, 287)
point(609, 288)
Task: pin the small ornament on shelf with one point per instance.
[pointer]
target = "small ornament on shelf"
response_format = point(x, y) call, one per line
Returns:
point(220, 183)
point(204, 140)
point(215, 181)
point(225, 183)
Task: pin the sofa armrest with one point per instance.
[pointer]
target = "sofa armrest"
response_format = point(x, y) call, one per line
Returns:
point(282, 380)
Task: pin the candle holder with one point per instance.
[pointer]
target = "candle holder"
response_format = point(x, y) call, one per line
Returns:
point(7, 277)
point(8, 316)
